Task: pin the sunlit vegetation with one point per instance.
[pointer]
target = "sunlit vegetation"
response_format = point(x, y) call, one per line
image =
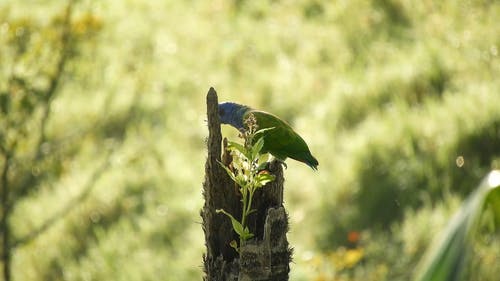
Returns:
point(102, 109)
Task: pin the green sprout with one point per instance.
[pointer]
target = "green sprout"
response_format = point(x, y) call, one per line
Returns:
point(247, 172)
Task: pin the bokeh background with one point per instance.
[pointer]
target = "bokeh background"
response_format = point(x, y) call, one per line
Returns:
point(102, 128)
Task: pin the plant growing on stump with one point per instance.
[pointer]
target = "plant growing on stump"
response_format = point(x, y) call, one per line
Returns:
point(247, 171)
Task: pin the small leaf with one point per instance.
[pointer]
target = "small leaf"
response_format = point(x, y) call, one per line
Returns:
point(238, 228)
point(262, 166)
point(238, 147)
point(263, 178)
point(263, 161)
point(246, 234)
point(229, 172)
point(234, 245)
point(239, 178)
point(257, 147)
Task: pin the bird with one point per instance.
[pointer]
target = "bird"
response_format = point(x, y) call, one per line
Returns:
point(281, 141)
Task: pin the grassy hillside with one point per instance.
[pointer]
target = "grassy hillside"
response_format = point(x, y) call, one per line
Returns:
point(398, 100)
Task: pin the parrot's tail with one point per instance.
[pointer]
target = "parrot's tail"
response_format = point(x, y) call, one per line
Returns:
point(311, 162)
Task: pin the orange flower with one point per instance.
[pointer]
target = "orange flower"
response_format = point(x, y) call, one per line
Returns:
point(353, 236)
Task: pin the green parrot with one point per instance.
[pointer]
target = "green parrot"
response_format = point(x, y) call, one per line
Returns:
point(282, 141)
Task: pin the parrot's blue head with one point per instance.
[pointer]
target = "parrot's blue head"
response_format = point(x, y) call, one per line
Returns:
point(232, 113)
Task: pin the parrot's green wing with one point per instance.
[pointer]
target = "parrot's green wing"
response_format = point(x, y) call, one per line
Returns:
point(282, 141)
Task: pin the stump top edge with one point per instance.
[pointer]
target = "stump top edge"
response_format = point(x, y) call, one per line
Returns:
point(212, 94)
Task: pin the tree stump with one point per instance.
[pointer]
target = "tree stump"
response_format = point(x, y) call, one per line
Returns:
point(267, 255)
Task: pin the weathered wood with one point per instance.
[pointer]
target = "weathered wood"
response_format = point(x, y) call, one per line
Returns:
point(267, 255)
point(269, 258)
point(219, 193)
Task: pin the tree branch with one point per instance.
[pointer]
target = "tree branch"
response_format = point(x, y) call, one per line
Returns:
point(49, 95)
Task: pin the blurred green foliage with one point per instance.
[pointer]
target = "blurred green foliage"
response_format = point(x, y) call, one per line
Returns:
point(450, 251)
point(399, 97)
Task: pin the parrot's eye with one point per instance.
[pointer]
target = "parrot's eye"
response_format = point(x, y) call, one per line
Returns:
point(221, 112)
